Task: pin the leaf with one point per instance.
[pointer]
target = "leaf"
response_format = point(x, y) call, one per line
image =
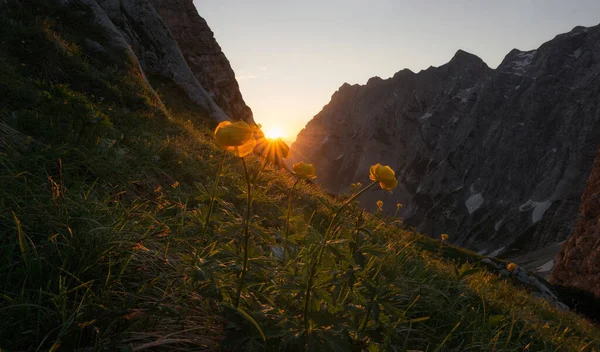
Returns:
point(21, 238)
point(495, 320)
point(418, 320)
point(54, 347)
point(441, 345)
point(374, 347)
point(323, 318)
point(335, 252)
point(359, 258)
point(468, 272)
point(338, 241)
point(249, 318)
point(327, 205)
point(467, 269)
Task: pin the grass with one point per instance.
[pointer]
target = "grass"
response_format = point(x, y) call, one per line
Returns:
point(104, 194)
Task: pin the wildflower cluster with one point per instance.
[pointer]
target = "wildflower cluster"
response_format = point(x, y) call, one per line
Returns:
point(244, 140)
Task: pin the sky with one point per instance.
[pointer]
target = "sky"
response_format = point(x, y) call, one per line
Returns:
point(290, 56)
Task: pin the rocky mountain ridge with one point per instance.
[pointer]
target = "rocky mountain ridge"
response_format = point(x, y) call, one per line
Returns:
point(171, 42)
point(497, 158)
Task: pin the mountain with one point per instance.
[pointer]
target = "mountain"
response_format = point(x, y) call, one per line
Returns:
point(496, 158)
point(173, 45)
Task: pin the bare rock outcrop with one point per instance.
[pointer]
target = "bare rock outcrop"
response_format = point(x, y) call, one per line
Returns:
point(204, 55)
point(498, 159)
point(169, 41)
point(156, 49)
point(578, 264)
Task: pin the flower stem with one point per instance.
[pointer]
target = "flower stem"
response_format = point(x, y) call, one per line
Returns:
point(246, 233)
point(313, 269)
point(211, 205)
point(287, 223)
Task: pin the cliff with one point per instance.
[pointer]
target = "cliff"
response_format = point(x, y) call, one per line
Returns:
point(204, 55)
point(578, 264)
point(498, 159)
point(170, 41)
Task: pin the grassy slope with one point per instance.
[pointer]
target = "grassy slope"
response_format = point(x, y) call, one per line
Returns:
point(102, 198)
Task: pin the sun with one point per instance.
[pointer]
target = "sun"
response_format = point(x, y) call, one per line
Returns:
point(273, 133)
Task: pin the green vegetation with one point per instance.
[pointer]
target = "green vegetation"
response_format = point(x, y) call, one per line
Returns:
point(121, 231)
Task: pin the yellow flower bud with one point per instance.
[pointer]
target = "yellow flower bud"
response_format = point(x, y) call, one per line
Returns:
point(444, 236)
point(511, 267)
point(379, 205)
point(237, 137)
point(304, 170)
point(385, 175)
point(399, 205)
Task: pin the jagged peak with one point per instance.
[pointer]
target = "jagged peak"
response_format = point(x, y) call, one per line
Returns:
point(517, 57)
point(461, 60)
point(346, 86)
point(405, 72)
point(576, 32)
point(374, 80)
point(344, 89)
point(462, 56)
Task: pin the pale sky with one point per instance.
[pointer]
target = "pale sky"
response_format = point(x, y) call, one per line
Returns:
point(291, 56)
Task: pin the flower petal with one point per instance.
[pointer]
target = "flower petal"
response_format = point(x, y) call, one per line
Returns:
point(373, 172)
point(229, 134)
point(245, 148)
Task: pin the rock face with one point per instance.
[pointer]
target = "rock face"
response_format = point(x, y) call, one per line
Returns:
point(204, 56)
point(498, 159)
point(149, 40)
point(578, 265)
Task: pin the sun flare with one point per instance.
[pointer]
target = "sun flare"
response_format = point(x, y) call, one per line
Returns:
point(273, 133)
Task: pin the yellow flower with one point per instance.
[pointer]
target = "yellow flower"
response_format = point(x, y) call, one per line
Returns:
point(444, 236)
point(511, 267)
point(304, 170)
point(385, 175)
point(399, 205)
point(379, 205)
point(237, 137)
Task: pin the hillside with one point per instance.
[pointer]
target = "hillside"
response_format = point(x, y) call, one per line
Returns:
point(125, 227)
point(496, 158)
